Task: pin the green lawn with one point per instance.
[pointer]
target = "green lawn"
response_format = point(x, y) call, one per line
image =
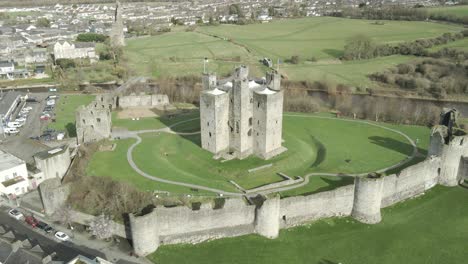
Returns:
point(314, 145)
point(430, 229)
point(458, 11)
point(65, 112)
point(182, 53)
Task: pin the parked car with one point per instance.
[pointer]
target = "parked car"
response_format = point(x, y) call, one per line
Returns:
point(50, 102)
point(44, 117)
point(32, 100)
point(44, 226)
point(30, 220)
point(15, 214)
point(11, 130)
point(14, 124)
point(61, 236)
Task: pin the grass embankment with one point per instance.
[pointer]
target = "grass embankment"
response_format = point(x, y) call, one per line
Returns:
point(428, 229)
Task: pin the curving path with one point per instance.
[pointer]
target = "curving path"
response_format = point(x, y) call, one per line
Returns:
point(135, 134)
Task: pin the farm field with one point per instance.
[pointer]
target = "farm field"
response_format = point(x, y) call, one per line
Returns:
point(410, 232)
point(315, 145)
point(458, 11)
point(65, 112)
point(321, 38)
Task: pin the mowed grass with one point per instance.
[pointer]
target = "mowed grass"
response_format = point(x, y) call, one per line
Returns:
point(427, 229)
point(321, 38)
point(147, 123)
point(65, 109)
point(314, 145)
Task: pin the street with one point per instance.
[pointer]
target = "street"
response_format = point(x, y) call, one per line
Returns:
point(65, 251)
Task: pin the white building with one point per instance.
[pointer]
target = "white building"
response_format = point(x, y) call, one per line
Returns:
point(13, 175)
point(78, 50)
point(7, 67)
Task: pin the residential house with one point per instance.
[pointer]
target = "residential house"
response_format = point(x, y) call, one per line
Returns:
point(13, 175)
point(78, 50)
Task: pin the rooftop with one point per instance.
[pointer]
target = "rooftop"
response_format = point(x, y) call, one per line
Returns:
point(8, 161)
point(6, 99)
point(51, 152)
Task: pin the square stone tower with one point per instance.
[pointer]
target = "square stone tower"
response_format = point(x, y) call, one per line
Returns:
point(242, 117)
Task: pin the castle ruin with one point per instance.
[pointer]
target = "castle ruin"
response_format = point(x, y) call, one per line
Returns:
point(94, 121)
point(241, 117)
point(117, 34)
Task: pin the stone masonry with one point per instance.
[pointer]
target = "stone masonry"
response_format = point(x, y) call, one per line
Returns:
point(94, 122)
point(242, 117)
point(117, 35)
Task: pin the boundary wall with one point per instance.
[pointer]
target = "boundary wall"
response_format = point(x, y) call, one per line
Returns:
point(362, 200)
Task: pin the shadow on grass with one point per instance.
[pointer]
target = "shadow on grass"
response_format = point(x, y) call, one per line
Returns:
point(334, 52)
point(171, 118)
point(332, 184)
point(321, 152)
point(395, 145)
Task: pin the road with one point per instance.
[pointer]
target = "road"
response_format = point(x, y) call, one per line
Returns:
point(65, 251)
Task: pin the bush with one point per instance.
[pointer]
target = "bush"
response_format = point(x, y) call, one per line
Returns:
point(91, 37)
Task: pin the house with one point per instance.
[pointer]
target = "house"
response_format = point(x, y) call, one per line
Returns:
point(36, 56)
point(78, 50)
point(13, 175)
point(6, 67)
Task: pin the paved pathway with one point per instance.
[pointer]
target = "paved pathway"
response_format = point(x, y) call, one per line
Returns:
point(135, 134)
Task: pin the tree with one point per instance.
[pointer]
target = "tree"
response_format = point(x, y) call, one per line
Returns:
point(65, 63)
point(43, 22)
point(359, 47)
point(91, 37)
point(101, 227)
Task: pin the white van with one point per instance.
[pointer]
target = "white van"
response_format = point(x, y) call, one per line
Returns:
point(50, 102)
point(14, 124)
point(11, 130)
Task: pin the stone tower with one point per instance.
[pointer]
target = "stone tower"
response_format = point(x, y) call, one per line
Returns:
point(117, 34)
point(94, 121)
point(242, 117)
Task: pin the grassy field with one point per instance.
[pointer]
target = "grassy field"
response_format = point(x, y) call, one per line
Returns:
point(424, 230)
point(322, 38)
point(65, 112)
point(459, 11)
point(146, 123)
point(315, 145)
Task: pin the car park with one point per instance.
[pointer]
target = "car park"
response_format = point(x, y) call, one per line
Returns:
point(32, 100)
point(50, 102)
point(30, 220)
point(61, 236)
point(15, 214)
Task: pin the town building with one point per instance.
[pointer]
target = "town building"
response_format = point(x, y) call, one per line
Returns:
point(13, 175)
point(78, 50)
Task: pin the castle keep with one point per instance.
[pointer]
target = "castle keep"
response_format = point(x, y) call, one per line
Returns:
point(241, 117)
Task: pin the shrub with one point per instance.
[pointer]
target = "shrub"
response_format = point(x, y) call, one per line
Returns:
point(65, 63)
point(91, 37)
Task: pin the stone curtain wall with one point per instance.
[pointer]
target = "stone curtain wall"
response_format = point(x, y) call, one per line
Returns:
point(150, 101)
point(362, 200)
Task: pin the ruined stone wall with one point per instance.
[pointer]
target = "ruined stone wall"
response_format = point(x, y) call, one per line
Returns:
point(367, 199)
point(452, 159)
point(301, 209)
point(54, 166)
point(214, 121)
point(410, 182)
point(53, 195)
point(93, 122)
point(149, 101)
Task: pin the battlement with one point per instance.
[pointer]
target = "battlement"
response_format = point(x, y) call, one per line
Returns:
point(94, 121)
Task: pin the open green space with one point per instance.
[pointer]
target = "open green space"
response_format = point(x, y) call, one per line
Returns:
point(321, 38)
point(428, 229)
point(65, 112)
point(314, 145)
point(458, 10)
